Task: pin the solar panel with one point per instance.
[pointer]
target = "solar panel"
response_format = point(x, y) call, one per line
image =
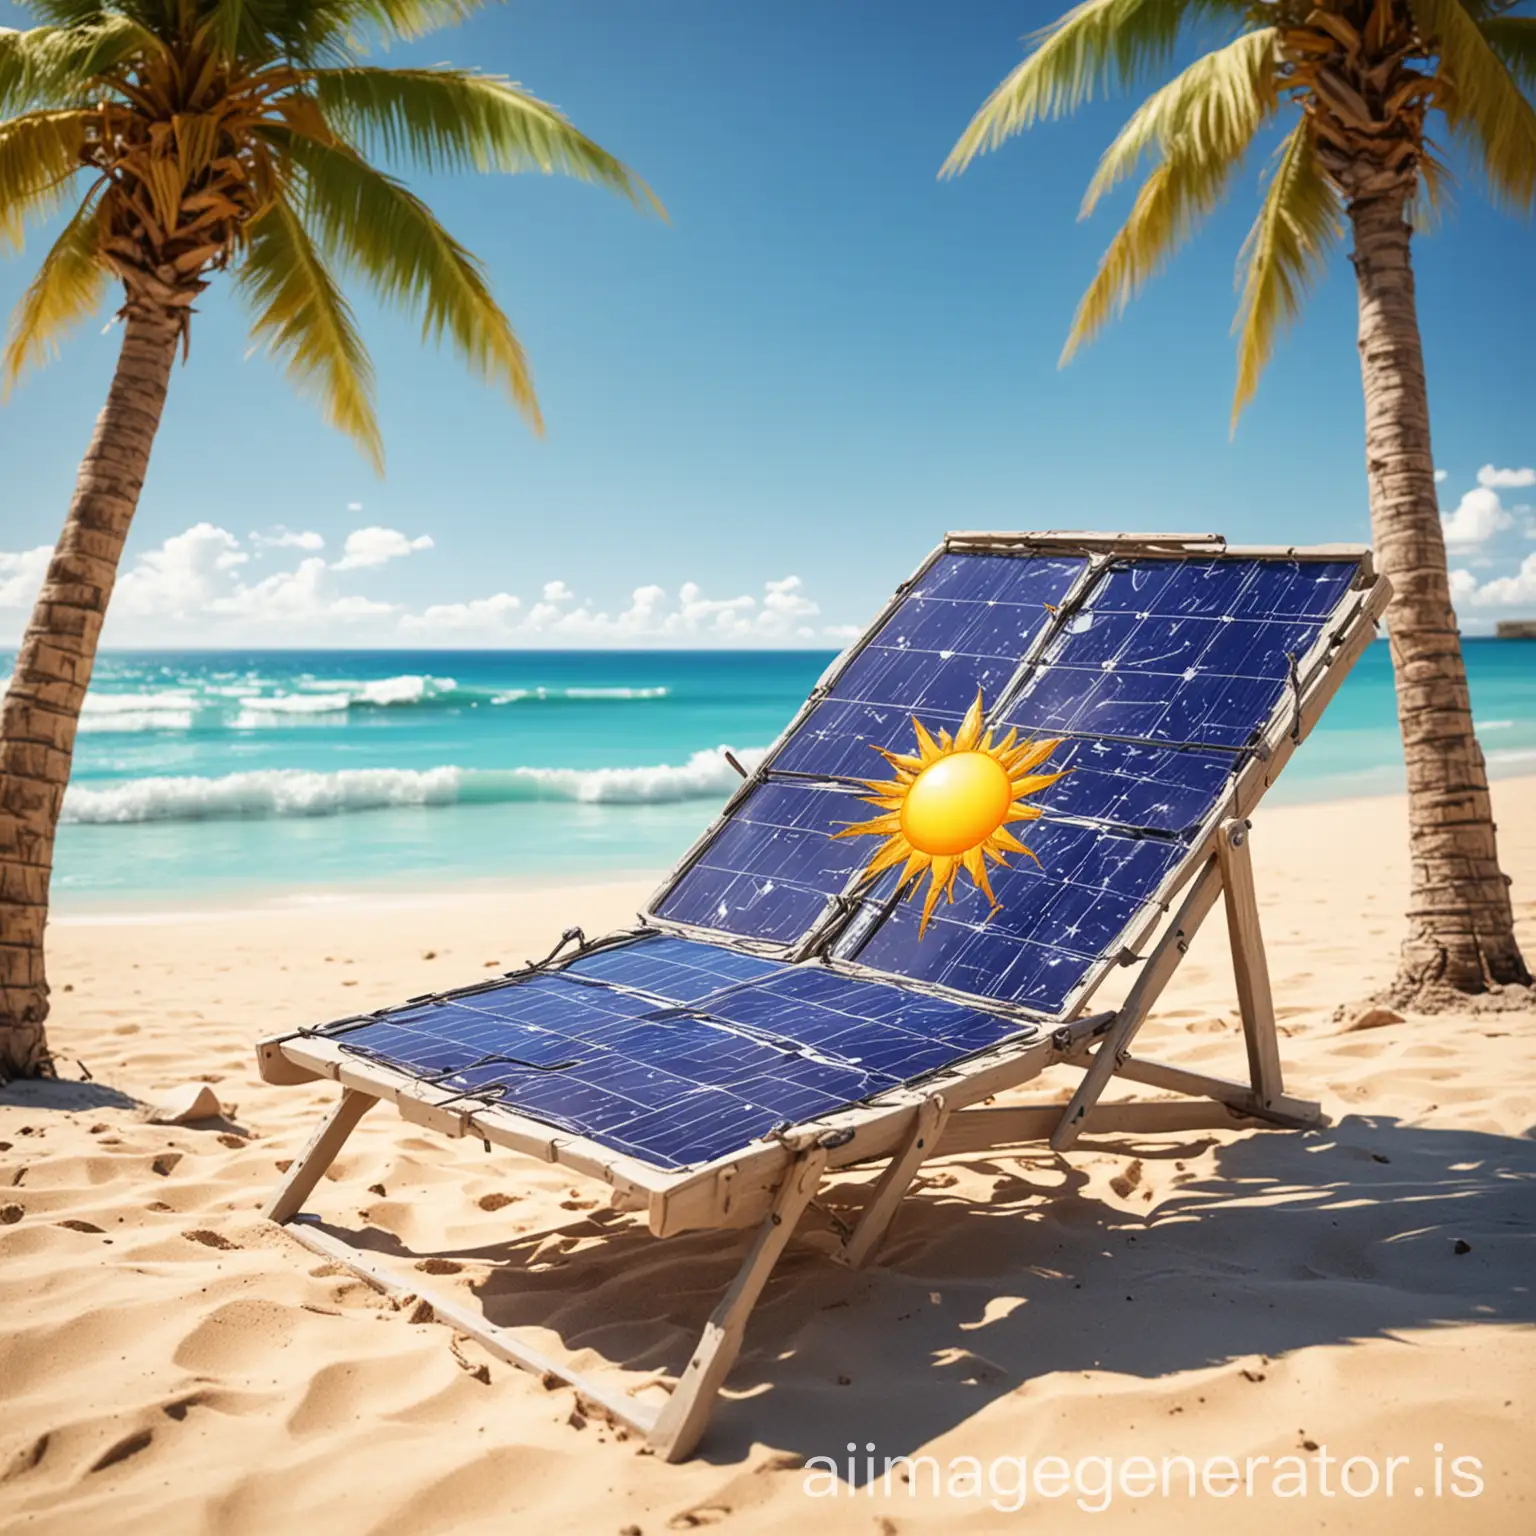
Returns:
point(676, 1051)
point(1167, 651)
point(1162, 675)
point(966, 623)
point(768, 873)
point(1052, 924)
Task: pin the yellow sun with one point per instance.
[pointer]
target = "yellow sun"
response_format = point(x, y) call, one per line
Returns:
point(947, 809)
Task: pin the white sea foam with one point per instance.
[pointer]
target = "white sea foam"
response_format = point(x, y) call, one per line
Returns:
point(311, 699)
point(615, 693)
point(126, 720)
point(169, 710)
point(517, 695)
point(299, 792)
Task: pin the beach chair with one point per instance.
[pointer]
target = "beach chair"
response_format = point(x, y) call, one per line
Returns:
point(779, 1013)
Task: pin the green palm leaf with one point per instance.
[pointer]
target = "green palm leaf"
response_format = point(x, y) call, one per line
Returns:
point(302, 316)
point(1513, 39)
point(378, 229)
point(1297, 226)
point(452, 120)
point(60, 66)
point(1195, 170)
point(68, 288)
point(39, 156)
point(1214, 109)
point(1096, 45)
point(1481, 99)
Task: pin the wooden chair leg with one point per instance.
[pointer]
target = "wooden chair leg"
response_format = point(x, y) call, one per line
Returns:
point(319, 1154)
point(1155, 971)
point(894, 1183)
point(1249, 967)
point(682, 1421)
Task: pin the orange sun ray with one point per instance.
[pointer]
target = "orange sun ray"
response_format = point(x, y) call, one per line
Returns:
point(946, 809)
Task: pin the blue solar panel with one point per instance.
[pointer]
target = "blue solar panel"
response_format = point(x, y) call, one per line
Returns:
point(770, 1045)
point(1159, 674)
point(1161, 650)
point(672, 970)
point(1054, 922)
point(966, 624)
point(1140, 786)
point(767, 873)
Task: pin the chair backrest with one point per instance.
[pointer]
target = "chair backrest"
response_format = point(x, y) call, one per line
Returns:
point(1168, 664)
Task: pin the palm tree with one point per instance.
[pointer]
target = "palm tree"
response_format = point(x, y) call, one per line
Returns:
point(1352, 83)
point(186, 138)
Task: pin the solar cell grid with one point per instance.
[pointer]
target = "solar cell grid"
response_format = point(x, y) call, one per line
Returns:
point(1054, 921)
point(679, 1050)
point(768, 871)
point(670, 1081)
point(1181, 651)
point(965, 624)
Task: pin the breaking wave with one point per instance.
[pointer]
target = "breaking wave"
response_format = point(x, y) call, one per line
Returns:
point(299, 792)
point(183, 709)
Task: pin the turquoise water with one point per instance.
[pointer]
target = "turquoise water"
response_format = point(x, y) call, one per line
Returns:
point(222, 774)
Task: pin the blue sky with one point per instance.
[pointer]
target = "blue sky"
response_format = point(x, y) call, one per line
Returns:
point(826, 359)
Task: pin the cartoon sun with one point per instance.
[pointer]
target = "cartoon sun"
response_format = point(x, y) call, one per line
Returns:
point(948, 808)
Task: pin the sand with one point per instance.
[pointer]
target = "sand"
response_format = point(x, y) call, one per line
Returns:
point(169, 1363)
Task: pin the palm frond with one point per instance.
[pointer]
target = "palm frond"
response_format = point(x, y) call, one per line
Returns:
point(1513, 39)
point(302, 316)
point(69, 287)
point(453, 120)
point(1481, 100)
point(1299, 222)
point(1217, 104)
point(1097, 45)
point(69, 13)
point(374, 226)
point(39, 156)
point(415, 18)
point(61, 66)
point(1186, 183)
point(309, 32)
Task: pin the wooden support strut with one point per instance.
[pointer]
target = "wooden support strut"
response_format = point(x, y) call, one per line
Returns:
point(893, 1184)
point(682, 1421)
point(1155, 972)
point(321, 1152)
point(1249, 968)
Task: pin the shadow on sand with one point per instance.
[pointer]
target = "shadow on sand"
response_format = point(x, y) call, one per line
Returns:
point(48, 1093)
point(1364, 1229)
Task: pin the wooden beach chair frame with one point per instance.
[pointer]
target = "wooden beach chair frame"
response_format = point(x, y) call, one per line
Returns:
point(770, 1184)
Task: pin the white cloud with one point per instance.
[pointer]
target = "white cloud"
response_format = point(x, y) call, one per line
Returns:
point(287, 538)
point(368, 548)
point(200, 586)
point(1440, 475)
point(783, 613)
point(184, 576)
point(1478, 516)
point(195, 586)
point(21, 574)
point(354, 506)
point(487, 617)
point(1505, 479)
point(1518, 590)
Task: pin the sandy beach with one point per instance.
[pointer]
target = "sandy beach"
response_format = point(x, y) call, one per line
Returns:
point(170, 1363)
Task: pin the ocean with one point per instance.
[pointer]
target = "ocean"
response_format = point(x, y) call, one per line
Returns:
point(219, 776)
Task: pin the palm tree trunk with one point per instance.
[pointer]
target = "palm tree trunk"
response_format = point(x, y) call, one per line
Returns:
point(1461, 935)
point(53, 670)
